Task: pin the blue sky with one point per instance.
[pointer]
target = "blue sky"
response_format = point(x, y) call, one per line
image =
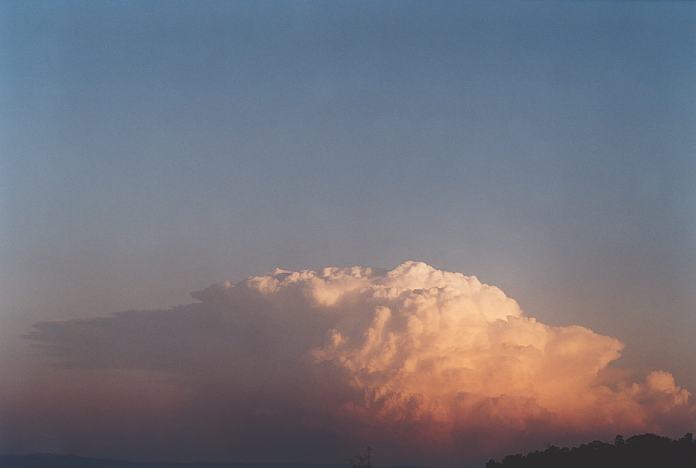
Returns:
point(148, 149)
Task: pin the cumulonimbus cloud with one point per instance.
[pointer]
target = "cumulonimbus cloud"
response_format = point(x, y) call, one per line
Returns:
point(421, 360)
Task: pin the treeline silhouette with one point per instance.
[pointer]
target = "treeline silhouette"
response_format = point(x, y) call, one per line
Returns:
point(640, 451)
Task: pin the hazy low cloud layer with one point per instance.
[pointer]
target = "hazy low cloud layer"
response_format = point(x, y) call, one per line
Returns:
point(423, 364)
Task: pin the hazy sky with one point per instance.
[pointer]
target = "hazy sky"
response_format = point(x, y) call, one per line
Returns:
point(150, 149)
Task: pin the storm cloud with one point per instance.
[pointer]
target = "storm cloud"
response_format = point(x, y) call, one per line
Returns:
point(308, 365)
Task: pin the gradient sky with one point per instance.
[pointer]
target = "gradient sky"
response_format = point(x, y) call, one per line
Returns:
point(149, 149)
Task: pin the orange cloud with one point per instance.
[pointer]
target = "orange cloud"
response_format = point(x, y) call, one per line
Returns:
point(415, 360)
point(445, 351)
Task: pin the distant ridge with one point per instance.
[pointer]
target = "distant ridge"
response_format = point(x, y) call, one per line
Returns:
point(640, 451)
point(43, 460)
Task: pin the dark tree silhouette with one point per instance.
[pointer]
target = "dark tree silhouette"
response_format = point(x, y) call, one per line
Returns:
point(640, 451)
point(362, 461)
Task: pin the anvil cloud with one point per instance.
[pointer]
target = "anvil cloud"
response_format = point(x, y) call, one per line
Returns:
point(417, 361)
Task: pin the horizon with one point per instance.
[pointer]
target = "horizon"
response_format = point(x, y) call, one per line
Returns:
point(619, 442)
point(482, 213)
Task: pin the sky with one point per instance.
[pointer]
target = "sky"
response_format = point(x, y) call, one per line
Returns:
point(153, 149)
